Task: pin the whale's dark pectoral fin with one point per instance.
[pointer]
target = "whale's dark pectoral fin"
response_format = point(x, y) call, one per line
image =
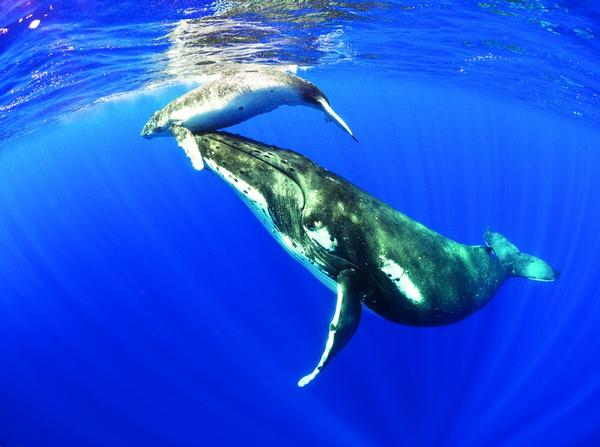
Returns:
point(186, 140)
point(345, 320)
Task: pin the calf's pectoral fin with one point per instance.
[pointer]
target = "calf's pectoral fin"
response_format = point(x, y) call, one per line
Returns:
point(345, 320)
point(331, 115)
point(186, 140)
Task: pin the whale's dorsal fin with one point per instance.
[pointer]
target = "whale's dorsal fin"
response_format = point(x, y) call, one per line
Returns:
point(344, 322)
point(186, 140)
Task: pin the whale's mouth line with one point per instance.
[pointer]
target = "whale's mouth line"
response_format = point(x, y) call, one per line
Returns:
point(214, 136)
point(210, 135)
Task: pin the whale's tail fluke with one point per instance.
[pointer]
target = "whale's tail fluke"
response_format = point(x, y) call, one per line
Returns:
point(520, 264)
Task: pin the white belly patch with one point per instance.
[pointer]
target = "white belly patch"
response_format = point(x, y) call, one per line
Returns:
point(401, 280)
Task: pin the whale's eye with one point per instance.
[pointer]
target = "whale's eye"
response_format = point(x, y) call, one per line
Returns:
point(240, 108)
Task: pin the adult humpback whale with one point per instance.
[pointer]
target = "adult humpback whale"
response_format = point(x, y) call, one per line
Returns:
point(360, 247)
point(240, 93)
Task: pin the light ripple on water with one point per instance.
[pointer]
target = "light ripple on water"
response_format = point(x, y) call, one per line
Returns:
point(541, 53)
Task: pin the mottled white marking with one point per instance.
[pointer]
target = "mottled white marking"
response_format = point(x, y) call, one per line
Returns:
point(320, 234)
point(300, 255)
point(404, 284)
point(259, 206)
point(289, 245)
point(34, 24)
point(330, 339)
point(247, 191)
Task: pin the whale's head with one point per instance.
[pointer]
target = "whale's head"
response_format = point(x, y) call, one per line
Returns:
point(266, 177)
point(158, 125)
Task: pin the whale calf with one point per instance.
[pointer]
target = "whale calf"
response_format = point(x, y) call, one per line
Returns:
point(367, 252)
point(238, 94)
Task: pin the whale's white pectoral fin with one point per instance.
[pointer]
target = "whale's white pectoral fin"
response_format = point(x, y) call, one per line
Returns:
point(330, 115)
point(344, 323)
point(187, 142)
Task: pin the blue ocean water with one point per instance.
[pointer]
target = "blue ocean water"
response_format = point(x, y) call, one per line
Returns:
point(141, 303)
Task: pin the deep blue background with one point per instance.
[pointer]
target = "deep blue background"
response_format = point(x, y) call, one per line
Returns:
point(141, 303)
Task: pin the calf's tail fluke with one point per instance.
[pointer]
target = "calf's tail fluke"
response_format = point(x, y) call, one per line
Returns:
point(519, 264)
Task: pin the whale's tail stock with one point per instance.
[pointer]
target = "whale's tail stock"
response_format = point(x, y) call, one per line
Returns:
point(519, 264)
